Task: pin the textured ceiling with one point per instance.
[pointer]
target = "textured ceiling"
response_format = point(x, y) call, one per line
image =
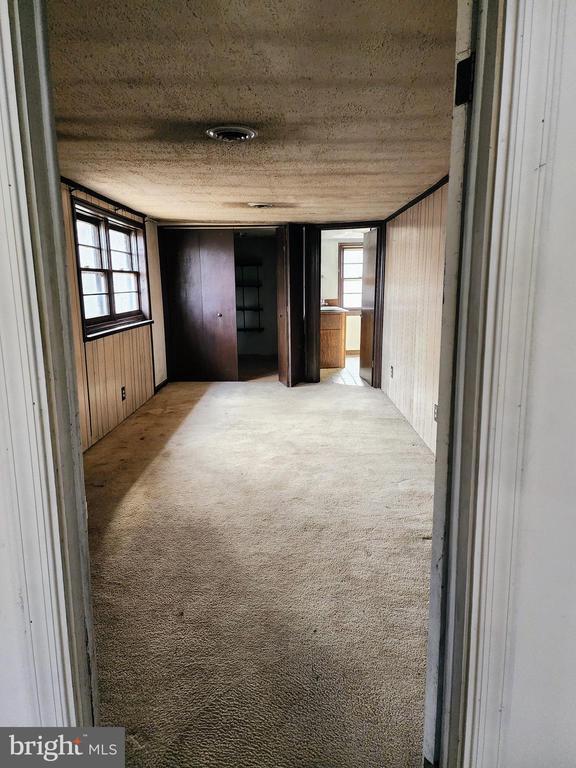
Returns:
point(352, 101)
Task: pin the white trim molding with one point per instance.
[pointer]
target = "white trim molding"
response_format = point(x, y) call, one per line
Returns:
point(531, 74)
point(35, 664)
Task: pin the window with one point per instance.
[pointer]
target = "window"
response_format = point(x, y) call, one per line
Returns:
point(351, 256)
point(112, 271)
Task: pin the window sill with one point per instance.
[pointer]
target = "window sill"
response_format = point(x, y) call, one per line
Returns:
point(94, 335)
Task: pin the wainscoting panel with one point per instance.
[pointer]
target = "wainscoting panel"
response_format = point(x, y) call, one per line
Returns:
point(123, 360)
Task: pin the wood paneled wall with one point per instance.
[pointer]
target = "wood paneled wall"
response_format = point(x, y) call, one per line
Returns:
point(414, 275)
point(105, 365)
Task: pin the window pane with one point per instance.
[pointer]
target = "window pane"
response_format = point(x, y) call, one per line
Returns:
point(352, 286)
point(94, 282)
point(126, 302)
point(353, 255)
point(89, 257)
point(125, 282)
point(352, 300)
point(87, 233)
point(121, 260)
point(352, 270)
point(119, 241)
point(96, 306)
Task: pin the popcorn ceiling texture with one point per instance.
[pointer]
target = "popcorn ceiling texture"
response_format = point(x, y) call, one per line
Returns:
point(260, 564)
point(352, 101)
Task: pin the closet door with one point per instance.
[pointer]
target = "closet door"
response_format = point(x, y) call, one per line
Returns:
point(199, 287)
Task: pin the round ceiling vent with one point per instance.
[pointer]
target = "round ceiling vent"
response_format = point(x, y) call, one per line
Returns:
point(232, 133)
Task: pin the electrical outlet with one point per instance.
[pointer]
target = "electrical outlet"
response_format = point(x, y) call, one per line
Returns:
point(123, 393)
point(391, 371)
point(435, 412)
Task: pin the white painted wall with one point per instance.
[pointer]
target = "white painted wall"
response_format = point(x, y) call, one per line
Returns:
point(158, 337)
point(328, 267)
point(522, 687)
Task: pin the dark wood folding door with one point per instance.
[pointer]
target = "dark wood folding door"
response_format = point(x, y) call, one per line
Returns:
point(291, 335)
point(199, 289)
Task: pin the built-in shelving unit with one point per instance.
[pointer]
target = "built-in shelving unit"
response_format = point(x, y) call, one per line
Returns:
point(248, 298)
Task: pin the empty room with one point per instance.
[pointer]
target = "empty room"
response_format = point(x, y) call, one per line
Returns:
point(287, 383)
point(255, 198)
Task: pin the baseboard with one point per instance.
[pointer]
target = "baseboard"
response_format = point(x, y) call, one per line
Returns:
point(158, 387)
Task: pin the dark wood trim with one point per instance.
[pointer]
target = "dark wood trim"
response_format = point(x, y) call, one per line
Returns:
point(294, 259)
point(116, 329)
point(372, 223)
point(73, 185)
point(112, 323)
point(351, 224)
point(379, 307)
point(282, 305)
point(99, 211)
point(341, 247)
point(160, 386)
point(312, 279)
point(419, 198)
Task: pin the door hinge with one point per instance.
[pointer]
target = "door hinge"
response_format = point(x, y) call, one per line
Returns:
point(435, 412)
point(464, 89)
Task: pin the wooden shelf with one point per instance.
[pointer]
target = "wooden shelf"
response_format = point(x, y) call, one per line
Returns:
point(253, 312)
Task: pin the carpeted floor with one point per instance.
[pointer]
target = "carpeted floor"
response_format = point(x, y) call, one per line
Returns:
point(260, 561)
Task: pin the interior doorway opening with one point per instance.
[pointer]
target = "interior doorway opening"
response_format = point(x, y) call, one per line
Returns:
point(200, 347)
point(255, 258)
point(341, 286)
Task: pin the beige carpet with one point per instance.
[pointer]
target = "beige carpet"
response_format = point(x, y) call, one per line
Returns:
point(260, 562)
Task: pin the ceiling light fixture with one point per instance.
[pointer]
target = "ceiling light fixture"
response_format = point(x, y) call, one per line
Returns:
point(232, 133)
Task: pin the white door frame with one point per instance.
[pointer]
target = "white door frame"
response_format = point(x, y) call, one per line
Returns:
point(39, 401)
point(479, 33)
point(47, 609)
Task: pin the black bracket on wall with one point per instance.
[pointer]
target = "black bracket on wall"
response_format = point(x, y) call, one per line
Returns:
point(464, 89)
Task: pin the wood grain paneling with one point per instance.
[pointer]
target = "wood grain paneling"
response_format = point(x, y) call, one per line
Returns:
point(415, 245)
point(105, 365)
point(113, 362)
point(198, 277)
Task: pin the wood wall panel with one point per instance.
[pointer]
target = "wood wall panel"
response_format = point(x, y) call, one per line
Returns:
point(105, 365)
point(121, 360)
point(414, 274)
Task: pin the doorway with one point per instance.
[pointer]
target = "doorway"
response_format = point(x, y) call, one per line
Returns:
point(341, 297)
point(256, 256)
